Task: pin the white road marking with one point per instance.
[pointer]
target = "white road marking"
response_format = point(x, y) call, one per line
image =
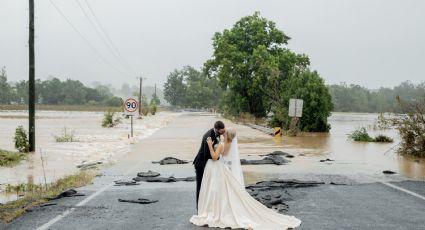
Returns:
point(403, 190)
point(83, 202)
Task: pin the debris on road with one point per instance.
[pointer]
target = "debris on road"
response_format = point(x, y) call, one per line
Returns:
point(89, 165)
point(388, 172)
point(156, 179)
point(279, 153)
point(164, 179)
point(125, 183)
point(272, 159)
point(188, 179)
point(48, 204)
point(67, 193)
point(148, 174)
point(274, 193)
point(327, 159)
point(138, 201)
point(170, 161)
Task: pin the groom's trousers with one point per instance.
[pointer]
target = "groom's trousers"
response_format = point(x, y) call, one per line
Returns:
point(199, 175)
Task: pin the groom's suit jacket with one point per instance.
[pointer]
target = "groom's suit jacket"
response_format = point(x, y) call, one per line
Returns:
point(204, 152)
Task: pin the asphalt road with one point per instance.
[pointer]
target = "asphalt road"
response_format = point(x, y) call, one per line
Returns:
point(394, 205)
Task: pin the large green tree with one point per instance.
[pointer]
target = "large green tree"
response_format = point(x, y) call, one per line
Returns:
point(251, 62)
point(317, 102)
point(260, 75)
point(52, 91)
point(175, 88)
point(190, 87)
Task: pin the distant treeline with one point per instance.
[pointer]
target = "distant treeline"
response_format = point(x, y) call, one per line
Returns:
point(55, 91)
point(355, 98)
point(191, 88)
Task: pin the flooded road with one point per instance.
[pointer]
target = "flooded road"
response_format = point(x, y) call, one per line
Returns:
point(350, 158)
point(361, 161)
point(93, 144)
point(370, 198)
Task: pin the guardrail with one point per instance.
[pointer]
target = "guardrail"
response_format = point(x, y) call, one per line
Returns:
point(266, 130)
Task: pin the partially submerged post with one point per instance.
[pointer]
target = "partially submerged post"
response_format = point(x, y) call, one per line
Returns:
point(295, 112)
point(131, 108)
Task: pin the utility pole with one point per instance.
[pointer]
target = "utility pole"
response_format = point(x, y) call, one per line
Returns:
point(140, 94)
point(31, 88)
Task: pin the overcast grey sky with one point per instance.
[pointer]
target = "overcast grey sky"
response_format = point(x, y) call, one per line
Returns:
point(368, 42)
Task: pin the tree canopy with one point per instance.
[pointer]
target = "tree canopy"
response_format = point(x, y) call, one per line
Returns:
point(259, 74)
point(189, 87)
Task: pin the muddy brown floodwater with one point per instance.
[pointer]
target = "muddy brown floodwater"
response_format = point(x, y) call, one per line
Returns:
point(93, 144)
point(350, 158)
point(362, 161)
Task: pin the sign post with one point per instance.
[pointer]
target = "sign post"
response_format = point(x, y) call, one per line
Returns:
point(131, 108)
point(295, 111)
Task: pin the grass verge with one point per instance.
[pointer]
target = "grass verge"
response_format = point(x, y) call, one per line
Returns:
point(9, 158)
point(35, 195)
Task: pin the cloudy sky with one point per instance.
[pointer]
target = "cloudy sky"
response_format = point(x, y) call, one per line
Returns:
point(370, 43)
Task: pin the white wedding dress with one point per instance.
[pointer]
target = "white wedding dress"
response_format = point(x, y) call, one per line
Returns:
point(224, 202)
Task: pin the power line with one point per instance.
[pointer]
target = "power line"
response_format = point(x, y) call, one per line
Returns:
point(106, 34)
point(108, 45)
point(86, 40)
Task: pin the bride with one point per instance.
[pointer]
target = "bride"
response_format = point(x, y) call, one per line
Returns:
point(223, 200)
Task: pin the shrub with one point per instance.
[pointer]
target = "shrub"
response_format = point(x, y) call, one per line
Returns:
point(21, 140)
point(360, 135)
point(382, 138)
point(8, 158)
point(153, 107)
point(108, 120)
point(411, 127)
point(65, 137)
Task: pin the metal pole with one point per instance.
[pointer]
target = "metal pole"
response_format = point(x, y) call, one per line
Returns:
point(131, 125)
point(31, 87)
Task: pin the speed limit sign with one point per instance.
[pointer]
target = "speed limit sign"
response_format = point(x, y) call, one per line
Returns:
point(131, 106)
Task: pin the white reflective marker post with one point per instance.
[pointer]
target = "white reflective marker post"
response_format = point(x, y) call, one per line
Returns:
point(131, 108)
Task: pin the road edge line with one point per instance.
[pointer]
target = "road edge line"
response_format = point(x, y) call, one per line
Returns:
point(403, 190)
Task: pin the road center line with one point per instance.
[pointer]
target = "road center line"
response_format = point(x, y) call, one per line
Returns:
point(403, 190)
point(83, 202)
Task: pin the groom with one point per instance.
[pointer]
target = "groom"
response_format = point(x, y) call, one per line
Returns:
point(204, 154)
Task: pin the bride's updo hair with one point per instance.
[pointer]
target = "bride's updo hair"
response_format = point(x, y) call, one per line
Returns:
point(231, 133)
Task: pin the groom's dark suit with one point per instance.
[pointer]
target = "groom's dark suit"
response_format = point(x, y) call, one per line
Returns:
point(202, 158)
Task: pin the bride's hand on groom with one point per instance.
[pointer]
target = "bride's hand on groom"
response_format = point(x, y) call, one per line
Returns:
point(209, 141)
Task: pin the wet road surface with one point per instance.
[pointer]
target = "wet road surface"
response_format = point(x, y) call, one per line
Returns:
point(394, 203)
